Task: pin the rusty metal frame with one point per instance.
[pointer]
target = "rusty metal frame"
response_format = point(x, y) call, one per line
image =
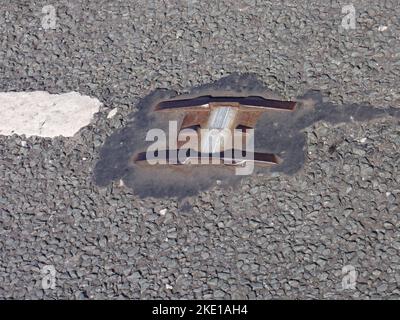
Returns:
point(197, 113)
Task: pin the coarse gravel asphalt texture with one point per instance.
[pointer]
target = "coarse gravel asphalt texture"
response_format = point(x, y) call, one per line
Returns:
point(276, 236)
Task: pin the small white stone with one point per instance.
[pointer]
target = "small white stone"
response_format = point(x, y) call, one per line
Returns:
point(121, 183)
point(168, 287)
point(23, 143)
point(388, 194)
point(163, 212)
point(112, 113)
point(84, 159)
point(362, 140)
point(382, 28)
point(179, 34)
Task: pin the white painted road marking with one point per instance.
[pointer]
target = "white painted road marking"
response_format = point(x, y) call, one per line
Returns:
point(40, 113)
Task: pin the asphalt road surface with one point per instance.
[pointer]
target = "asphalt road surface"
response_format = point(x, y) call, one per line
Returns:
point(329, 231)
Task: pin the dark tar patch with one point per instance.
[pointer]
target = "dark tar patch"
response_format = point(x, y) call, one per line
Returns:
point(280, 133)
